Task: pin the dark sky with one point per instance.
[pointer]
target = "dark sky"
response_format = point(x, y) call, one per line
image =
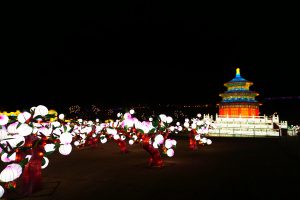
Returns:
point(120, 52)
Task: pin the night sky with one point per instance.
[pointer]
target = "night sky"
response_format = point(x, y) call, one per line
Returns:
point(123, 53)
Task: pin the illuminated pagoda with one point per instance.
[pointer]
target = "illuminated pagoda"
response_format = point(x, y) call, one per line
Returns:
point(239, 113)
point(238, 100)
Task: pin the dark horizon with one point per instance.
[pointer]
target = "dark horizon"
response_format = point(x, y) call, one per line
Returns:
point(143, 53)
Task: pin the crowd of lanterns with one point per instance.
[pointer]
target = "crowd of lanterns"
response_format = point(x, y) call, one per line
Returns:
point(28, 138)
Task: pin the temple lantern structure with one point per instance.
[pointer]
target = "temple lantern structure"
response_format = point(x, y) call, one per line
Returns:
point(239, 100)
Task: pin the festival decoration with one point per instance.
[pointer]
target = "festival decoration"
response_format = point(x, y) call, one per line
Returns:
point(238, 100)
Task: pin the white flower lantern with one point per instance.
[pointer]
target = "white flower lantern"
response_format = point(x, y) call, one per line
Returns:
point(11, 172)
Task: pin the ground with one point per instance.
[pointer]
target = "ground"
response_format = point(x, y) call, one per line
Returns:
point(230, 168)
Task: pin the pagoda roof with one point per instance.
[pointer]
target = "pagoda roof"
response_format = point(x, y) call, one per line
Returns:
point(237, 78)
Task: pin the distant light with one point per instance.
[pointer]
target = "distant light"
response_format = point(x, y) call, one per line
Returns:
point(131, 111)
point(61, 116)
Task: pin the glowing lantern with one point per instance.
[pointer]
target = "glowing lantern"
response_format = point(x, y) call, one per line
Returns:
point(168, 143)
point(116, 137)
point(12, 128)
point(169, 120)
point(65, 149)
point(23, 117)
point(40, 110)
point(131, 142)
point(61, 116)
point(194, 126)
point(11, 172)
point(3, 120)
point(155, 145)
point(197, 137)
point(159, 139)
point(186, 124)
point(65, 138)
point(49, 147)
point(103, 140)
point(170, 152)
point(208, 141)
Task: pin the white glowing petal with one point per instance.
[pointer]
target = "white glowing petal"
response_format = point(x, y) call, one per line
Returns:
point(22, 117)
point(3, 134)
point(45, 131)
point(12, 128)
point(131, 142)
point(159, 139)
point(119, 114)
point(204, 140)
point(197, 137)
point(55, 124)
point(155, 145)
point(194, 126)
point(168, 143)
point(3, 120)
point(32, 109)
point(116, 137)
point(4, 158)
point(170, 152)
point(177, 123)
point(150, 119)
point(169, 120)
point(172, 128)
point(111, 131)
point(61, 116)
point(90, 122)
point(57, 132)
point(131, 111)
point(65, 138)
point(199, 115)
point(83, 136)
point(24, 130)
point(11, 172)
point(134, 137)
point(180, 128)
point(103, 140)
point(13, 156)
point(97, 120)
point(189, 129)
point(16, 139)
point(174, 142)
point(1, 191)
point(49, 147)
point(41, 110)
point(208, 141)
point(186, 124)
point(199, 123)
point(163, 117)
point(65, 149)
point(46, 162)
point(80, 120)
point(187, 120)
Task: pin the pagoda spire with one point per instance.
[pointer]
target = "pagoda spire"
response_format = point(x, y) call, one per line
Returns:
point(238, 74)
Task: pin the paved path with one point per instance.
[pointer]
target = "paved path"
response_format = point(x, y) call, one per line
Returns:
point(231, 168)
